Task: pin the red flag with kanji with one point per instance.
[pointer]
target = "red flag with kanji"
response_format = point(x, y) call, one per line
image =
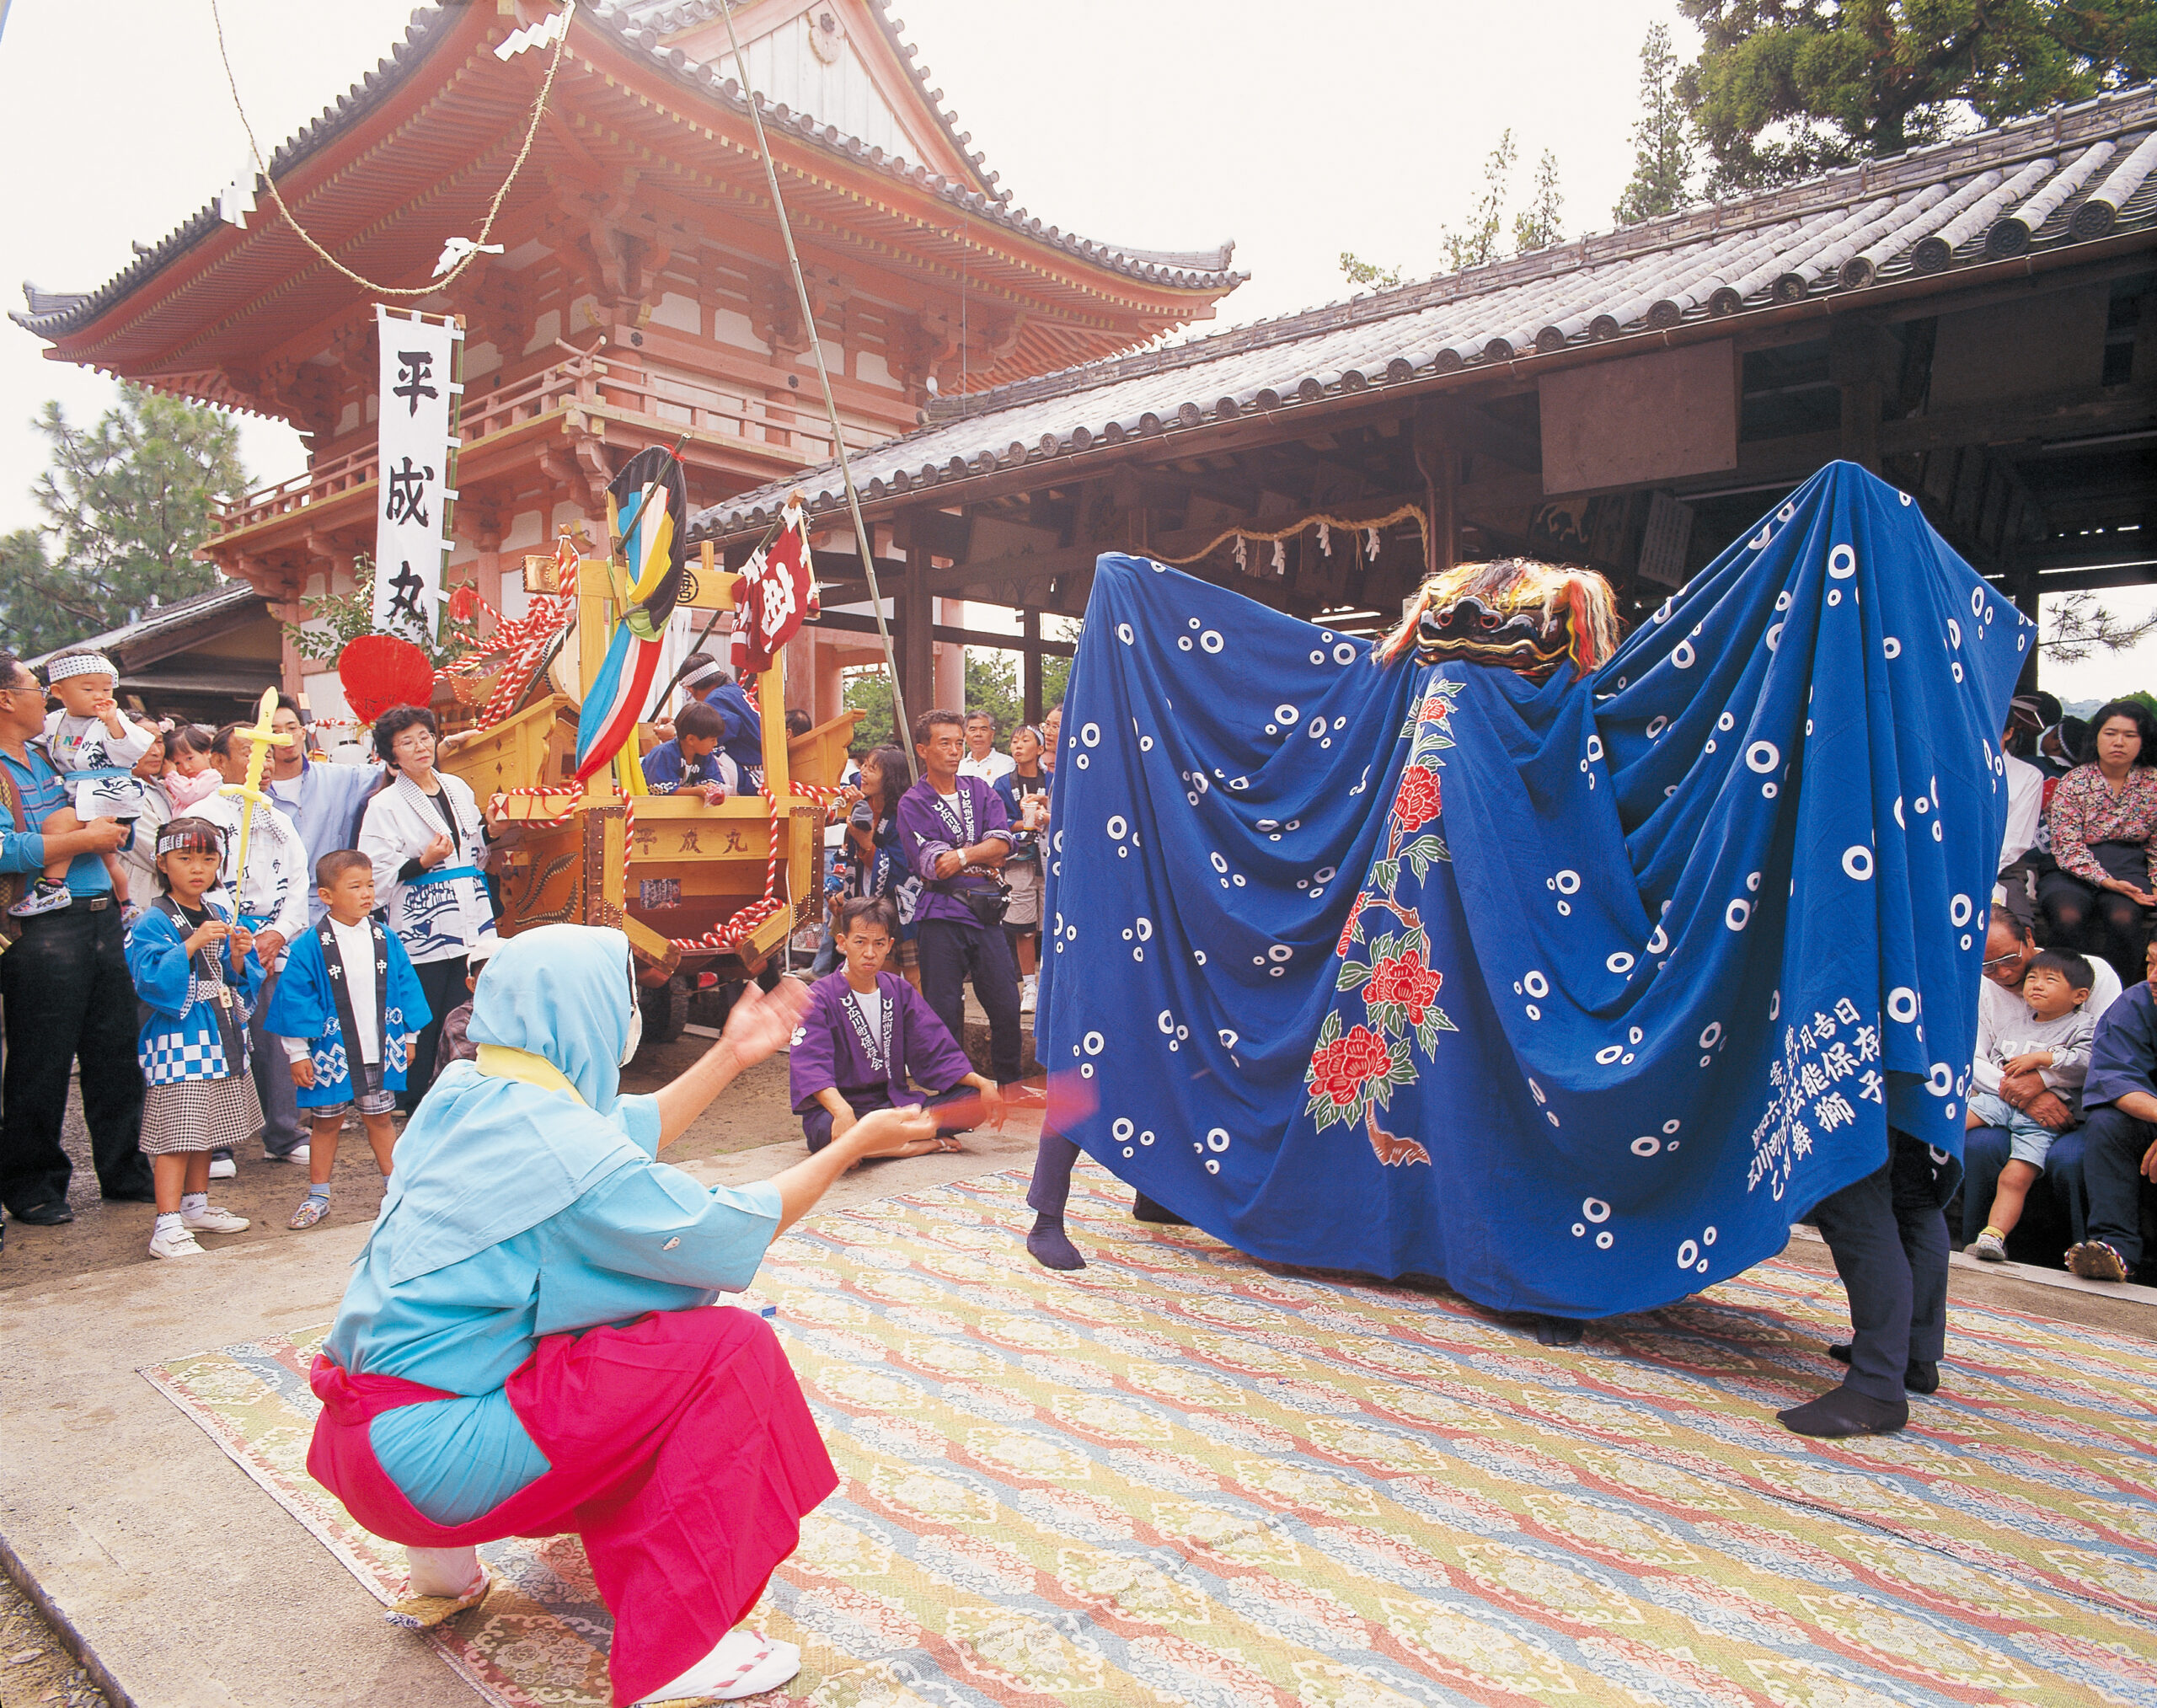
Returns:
point(778, 592)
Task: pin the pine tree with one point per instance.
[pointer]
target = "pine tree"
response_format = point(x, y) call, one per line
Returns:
point(1787, 89)
point(1477, 244)
point(1540, 223)
point(126, 503)
point(1662, 144)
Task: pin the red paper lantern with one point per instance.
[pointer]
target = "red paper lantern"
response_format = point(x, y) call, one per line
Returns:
point(382, 671)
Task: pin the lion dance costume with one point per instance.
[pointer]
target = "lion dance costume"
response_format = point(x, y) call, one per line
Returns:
point(1569, 971)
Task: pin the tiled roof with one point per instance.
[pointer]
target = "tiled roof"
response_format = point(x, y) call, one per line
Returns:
point(2069, 176)
point(229, 599)
point(631, 23)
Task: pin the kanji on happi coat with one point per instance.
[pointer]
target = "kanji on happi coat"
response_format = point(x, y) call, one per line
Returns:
point(1575, 991)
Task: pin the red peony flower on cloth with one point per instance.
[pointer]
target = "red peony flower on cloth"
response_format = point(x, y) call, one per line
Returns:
point(1405, 979)
point(1341, 1069)
point(1416, 802)
point(1348, 930)
point(464, 603)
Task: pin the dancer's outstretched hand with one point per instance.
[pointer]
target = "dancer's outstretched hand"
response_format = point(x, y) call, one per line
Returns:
point(762, 1021)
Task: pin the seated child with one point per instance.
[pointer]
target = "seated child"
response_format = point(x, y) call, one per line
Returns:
point(194, 975)
point(692, 760)
point(348, 1006)
point(867, 1032)
point(94, 747)
point(2055, 1044)
point(455, 1043)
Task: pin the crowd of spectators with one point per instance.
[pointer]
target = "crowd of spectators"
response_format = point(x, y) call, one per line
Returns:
point(2063, 1142)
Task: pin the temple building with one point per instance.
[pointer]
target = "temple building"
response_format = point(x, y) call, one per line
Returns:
point(643, 297)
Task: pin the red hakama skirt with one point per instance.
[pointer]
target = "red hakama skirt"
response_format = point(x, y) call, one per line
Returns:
point(681, 1451)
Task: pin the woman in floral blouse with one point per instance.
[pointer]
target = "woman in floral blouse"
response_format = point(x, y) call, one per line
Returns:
point(2104, 817)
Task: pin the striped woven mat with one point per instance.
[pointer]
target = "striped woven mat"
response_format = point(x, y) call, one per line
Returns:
point(1180, 1477)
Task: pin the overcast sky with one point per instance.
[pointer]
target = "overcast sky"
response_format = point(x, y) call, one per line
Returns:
point(1298, 130)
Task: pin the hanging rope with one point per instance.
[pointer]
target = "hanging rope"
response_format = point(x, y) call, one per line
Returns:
point(1324, 524)
point(494, 207)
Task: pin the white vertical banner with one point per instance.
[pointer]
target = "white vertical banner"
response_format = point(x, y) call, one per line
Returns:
point(417, 449)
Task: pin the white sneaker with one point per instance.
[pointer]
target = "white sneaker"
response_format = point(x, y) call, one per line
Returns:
point(1025, 996)
point(174, 1242)
point(213, 1219)
point(303, 1153)
point(223, 1168)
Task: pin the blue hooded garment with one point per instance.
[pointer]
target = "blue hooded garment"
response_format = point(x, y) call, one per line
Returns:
point(1574, 995)
point(514, 1211)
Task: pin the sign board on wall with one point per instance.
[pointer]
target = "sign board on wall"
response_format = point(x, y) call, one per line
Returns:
point(1654, 417)
point(419, 381)
point(1664, 541)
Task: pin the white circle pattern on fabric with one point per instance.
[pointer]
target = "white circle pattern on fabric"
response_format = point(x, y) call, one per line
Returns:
point(1344, 653)
point(1738, 914)
point(1762, 757)
point(1620, 962)
point(1610, 1054)
point(1857, 862)
point(1286, 714)
point(1116, 827)
point(1123, 633)
point(1901, 1005)
point(1682, 654)
point(1595, 1210)
point(1094, 1043)
point(1959, 911)
point(1538, 986)
point(1568, 882)
point(1210, 641)
point(1091, 735)
point(1842, 563)
point(1217, 1139)
point(1689, 1253)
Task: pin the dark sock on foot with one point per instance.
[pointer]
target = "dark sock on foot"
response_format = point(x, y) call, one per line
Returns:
point(1843, 1412)
point(1558, 1331)
point(1144, 1209)
point(1050, 1247)
point(1917, 1378)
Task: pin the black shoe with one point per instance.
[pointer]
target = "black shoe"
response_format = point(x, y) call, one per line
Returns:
point(1843, 1412)
point(53, 1212)
point(1144, 1209)
point(1917, 1378)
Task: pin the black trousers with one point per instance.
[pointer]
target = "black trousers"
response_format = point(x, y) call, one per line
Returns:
point(67, 993)
point(1887, 1234)
point(2114, 1143)
point(442, 983)
point(951, 953)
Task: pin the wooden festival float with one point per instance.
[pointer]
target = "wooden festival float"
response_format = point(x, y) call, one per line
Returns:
point(697, 889)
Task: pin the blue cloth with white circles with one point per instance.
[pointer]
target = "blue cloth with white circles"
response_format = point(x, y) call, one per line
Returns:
point(1575, 995)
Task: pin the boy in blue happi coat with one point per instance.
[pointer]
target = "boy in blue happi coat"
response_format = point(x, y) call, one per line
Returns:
point(348, 1008)
point(692, 761)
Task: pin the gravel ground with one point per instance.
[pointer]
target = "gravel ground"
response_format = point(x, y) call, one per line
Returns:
point(34, 1668)
point(753, 1111)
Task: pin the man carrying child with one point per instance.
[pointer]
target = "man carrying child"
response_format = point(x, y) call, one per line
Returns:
point(64, 983)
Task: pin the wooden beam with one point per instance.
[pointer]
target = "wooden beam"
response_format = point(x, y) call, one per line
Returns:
point(2064, 415)
point(846, 622)
point(1472, 429)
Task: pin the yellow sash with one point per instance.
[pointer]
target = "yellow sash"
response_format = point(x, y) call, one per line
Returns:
point(500, 1062)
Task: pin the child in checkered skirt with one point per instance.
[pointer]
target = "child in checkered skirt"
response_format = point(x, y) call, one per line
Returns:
point(193, 971)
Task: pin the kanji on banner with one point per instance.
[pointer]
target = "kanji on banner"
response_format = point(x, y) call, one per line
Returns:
point(778, 591)
point(418, 394)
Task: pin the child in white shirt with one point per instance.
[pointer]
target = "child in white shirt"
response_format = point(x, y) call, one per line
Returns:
point(2054, 1042)
point(94, 746)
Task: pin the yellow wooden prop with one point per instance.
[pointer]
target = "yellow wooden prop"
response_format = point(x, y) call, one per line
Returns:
point(263, 738)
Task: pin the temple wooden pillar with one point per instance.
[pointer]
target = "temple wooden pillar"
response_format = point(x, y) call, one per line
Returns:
point(1029, 630)
point(914, 626)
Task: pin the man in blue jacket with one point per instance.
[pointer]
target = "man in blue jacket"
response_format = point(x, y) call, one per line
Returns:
point(2119, 1150)
point(66, 986)
point(743, 738)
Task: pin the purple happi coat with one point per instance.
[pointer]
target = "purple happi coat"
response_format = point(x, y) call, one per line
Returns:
point(928, 829)
point(831, 1048)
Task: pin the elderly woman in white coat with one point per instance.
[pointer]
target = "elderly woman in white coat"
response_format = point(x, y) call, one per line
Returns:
point(427, 839)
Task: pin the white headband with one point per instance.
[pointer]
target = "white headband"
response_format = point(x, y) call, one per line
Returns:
point(80, 664)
